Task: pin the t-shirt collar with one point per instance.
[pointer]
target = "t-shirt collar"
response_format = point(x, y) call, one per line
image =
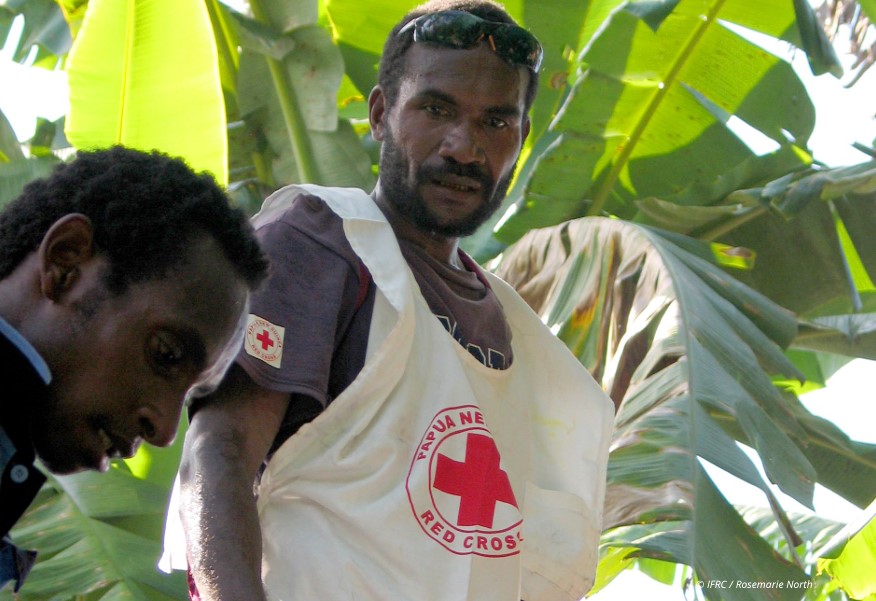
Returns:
point(27, 349)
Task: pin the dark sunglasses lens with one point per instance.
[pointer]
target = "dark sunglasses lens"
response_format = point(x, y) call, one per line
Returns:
point(462, 30)
point(518, 46)
point(457, 29)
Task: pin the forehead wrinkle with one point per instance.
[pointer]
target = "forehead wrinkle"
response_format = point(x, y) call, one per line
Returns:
point(501, 110)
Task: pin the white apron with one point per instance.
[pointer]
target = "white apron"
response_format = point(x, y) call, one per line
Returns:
point(432, 476)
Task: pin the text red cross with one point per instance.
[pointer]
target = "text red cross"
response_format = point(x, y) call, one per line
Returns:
point(265, 339)
point(479, 482)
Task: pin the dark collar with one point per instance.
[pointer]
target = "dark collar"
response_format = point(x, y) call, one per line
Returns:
point(21, 389)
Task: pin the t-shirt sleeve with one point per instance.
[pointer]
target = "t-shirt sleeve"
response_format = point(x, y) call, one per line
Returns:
point(297, 317)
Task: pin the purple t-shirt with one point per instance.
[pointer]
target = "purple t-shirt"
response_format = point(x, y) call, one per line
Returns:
point(319, 293)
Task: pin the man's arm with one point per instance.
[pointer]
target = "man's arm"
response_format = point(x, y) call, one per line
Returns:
point(225, 445)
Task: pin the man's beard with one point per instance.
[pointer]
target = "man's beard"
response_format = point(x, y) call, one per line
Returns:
point(404, 196)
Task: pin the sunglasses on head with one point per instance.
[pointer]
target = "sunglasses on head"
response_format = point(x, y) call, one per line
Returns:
point(463, 30)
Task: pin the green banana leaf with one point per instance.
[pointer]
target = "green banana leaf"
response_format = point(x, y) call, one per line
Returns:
point(850, 557)
point(288, 78)
point(339, 156)
point(812, 232)
point(44, 27)
point(129, 69)
point(853, 335)
point(97, 535)
point(10, 149)
point(649, 113)
point(14, 175)
point(685, 351)
point(869, 8)
point(814, 531)
point(809, 238)
point(225, 35)
point(16, 170)
point(158, 466)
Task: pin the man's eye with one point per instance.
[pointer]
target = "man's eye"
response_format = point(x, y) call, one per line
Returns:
point(165, 352)
point(497, 123)
point(434, 110)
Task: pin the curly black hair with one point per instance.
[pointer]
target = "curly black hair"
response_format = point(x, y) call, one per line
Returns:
point(145, 208)
point(392, 63)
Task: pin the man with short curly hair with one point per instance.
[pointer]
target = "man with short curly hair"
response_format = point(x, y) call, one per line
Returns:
point(414, 430)
point(124, 279)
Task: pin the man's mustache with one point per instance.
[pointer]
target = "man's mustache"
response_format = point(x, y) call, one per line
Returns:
point(451, 167)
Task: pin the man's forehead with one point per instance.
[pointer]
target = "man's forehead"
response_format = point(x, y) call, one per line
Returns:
point(463, 71)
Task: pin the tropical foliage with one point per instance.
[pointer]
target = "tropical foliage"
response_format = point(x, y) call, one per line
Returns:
point(667, 221)
point(850, 557)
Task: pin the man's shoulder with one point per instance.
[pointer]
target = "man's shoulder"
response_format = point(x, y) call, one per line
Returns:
point(344, 202)
point(303, 211)
point(305, 229)
point(308, 215)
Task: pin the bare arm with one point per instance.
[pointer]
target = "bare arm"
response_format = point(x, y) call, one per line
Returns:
point(227, 441)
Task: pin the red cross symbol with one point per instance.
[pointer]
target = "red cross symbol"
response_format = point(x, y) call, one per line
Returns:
point(265, 339)
point(479, 482)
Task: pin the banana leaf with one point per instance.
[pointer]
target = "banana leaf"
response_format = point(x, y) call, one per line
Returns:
point(686, 352)
point(10, 149)
point(44, 28)
point(650, 113)
point(850, 557)
point(15, 175)
point(812, 233)
point(288, 77)
point(97, 535)
point(129, 67)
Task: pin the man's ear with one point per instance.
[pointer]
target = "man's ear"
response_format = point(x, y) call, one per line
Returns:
point(377, 113)
point(527, 125)
point(66, 246)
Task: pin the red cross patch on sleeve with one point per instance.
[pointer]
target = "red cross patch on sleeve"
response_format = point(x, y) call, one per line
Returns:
point(264, 340)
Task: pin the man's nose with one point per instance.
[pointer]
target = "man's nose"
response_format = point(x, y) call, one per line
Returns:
point(159, 427)
point(463, 144)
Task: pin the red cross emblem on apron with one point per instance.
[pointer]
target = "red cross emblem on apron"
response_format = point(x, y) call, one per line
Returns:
point(459, 493)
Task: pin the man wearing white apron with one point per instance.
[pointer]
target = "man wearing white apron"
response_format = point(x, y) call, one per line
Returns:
point(427, 437)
